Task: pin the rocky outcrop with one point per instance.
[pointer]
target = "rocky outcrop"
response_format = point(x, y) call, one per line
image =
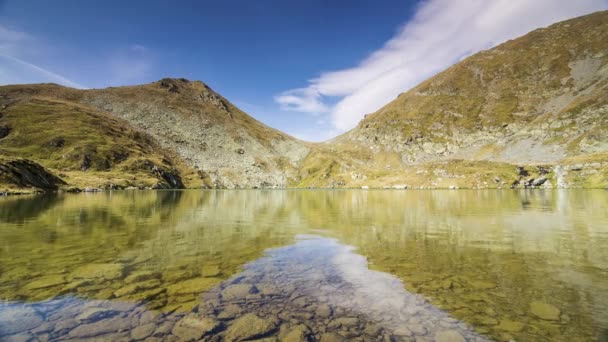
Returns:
point(23, 173)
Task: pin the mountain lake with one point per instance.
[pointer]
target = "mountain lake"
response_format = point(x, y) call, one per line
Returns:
point(305, 265)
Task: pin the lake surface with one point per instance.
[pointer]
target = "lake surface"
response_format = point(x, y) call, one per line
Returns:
point(300, 265)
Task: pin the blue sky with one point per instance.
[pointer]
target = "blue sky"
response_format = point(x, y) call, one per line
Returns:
point(310, 68)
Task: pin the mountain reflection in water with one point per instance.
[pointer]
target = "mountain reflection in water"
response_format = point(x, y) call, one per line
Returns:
point(447, 265)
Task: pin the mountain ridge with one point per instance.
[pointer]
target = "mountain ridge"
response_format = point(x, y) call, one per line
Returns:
point(531, 112)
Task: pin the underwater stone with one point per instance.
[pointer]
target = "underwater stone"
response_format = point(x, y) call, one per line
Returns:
point(192, 328)
point(17, 319)
point(137, 287)
point(140, 276)
point(211, 271)
point(545, 311)
point(143, 331)
point(196, 285)
point(299, 333)
point(95, 314)
point(44, 282)
point(106, 271)
point(250, 326)
point(449, 336)
point(238, 291)
point(510, 326)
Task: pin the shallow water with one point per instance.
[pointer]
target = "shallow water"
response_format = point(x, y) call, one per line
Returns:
point(305, 265)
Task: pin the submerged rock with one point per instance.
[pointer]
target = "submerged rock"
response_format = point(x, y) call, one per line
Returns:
point(193, 328)
point(143, 331)
point(211, 271)
point(449, 336)
point(299, 333)
point(332, 337)
point(105, 271)
point(545, 311)
point(17, 319)
point(95, 314)
point(323, 311)
point(196, 285)
point(44, 282)
point(137, 287)
point(250, 326)
point(104, 326)
point(140, 276)
point(238, 291)
point(510, 326)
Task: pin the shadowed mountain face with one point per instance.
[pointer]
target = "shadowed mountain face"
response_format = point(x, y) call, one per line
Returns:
point(531, 112)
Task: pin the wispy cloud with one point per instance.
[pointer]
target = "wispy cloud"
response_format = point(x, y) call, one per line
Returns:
point(306, 100)
point(440, 33)
point(14, 69)
point(122, 65)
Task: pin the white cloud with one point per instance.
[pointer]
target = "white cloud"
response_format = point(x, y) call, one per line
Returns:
point(440, 34)
point(15, 70)
point(306, 100)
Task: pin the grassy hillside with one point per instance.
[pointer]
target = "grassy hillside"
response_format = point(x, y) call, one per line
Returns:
point(541, 99)
point(82, 146)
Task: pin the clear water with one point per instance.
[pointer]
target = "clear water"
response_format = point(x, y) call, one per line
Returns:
point(305, 265)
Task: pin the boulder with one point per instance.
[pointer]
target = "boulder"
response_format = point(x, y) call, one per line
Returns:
point(539, 181)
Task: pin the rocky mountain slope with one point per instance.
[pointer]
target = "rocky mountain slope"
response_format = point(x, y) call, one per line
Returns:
point(532, 112)
point(541, 99)
point(168, 134)
point(47, 142)
point(229, 147)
